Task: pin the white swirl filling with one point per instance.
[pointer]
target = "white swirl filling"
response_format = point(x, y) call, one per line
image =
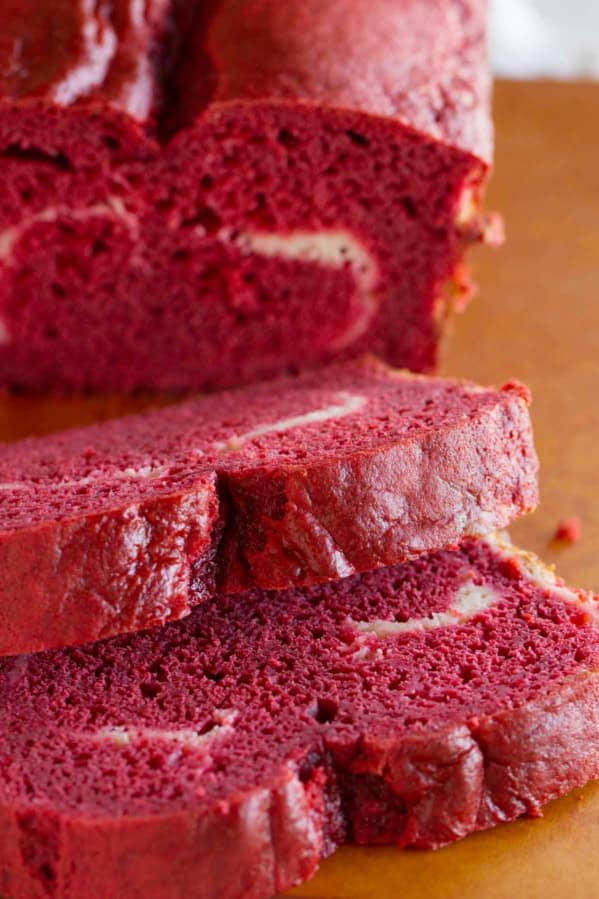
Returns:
point(345, 404)
point(336, 249)
point(472, 599)
point(542, 575)
point(100, 44)
point(331, 248)
point(469, 601)
point(181, 740)
point(113, 207)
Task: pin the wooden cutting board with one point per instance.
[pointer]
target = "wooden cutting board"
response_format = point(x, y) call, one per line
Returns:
point(537, 319)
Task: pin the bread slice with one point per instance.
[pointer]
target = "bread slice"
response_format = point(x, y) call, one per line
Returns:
point(224, 756)
point(294, 182)
point(126, 524)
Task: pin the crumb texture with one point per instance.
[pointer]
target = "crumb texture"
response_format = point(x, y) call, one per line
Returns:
point(198, 196)
point(126, 524)
point(266, 729)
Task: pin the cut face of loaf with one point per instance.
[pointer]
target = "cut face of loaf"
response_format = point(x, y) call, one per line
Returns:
point(127, 524)
point(278, 185)
point(222, 757)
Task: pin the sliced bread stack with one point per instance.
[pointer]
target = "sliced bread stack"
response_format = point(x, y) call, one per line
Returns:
point(359, 658)
point(238, 632)
point(130, 523)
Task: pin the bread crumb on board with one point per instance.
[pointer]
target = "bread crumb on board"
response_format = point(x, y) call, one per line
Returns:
point(569, 530)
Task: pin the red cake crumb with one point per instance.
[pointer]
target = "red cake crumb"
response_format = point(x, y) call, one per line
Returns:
point(229, 753)
point(569, 530)
point(201, 205)
point(293, 482)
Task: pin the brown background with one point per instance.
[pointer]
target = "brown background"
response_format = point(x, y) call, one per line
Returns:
point(537, 319)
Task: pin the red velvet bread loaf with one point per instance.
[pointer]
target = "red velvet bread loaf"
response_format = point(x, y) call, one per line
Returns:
point(222, 757)
point(300, 185)
point(126, 524)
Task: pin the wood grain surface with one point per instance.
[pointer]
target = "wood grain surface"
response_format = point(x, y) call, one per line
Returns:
point(537, 318)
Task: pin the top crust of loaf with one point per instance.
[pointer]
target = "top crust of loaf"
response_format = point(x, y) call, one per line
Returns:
point(422, 64)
